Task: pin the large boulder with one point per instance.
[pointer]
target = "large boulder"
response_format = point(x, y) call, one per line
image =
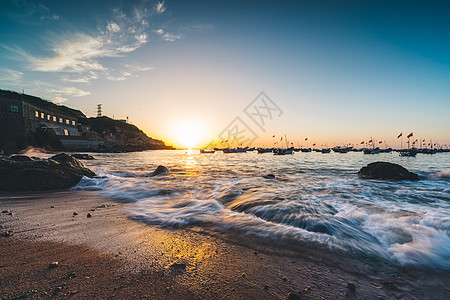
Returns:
point(159, 170)
point(386, 170)
point(59, 172)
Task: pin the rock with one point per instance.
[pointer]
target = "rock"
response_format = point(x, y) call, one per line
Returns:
point(293, 296)
point(284, 279)
point(53, 264)
point(160, 170)
point(52, 206)
point(269, 176)
point(89, 215)
point(386, 170)
point(351, 286)
point(75, 213)
point(8, 233)
point(59, 172)
point(178, 266)
point(20, 158)
point(83, 156)
point(6, 211)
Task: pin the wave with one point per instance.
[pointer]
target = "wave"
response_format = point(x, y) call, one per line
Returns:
point(402, 222)
point(441, 174)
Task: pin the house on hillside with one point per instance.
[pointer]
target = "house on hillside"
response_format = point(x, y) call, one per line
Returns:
point(23, 117)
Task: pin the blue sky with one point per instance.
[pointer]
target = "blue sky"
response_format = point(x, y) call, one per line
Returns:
point(341, 71)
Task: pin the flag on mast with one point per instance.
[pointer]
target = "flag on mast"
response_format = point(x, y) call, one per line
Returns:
point(409, 135)
point(401, 133)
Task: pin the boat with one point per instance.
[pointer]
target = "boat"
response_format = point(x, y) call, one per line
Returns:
point(264, 150)
point(283, 151)
point(340, 149)
point(408, 153)
point(325, 150)
point(305, 149)
point(371, 151)
point(207, 151)
point(234, 150)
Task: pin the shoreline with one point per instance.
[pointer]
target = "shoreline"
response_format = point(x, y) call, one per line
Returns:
point(120, 255)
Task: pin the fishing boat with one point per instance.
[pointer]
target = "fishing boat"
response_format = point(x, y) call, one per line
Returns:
point(325, 150)
point(371, 151)
point(283, 151)
point(264, 150)
point(305, 149)
point(207, 151)
point(234, 150)
point(340, 149)
point(408, 153)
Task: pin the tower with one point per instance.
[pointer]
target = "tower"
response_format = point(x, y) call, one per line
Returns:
point(99, 110)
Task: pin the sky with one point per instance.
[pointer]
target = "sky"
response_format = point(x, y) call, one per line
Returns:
point(194, 73)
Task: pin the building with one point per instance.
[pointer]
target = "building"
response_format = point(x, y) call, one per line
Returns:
point(23, 116)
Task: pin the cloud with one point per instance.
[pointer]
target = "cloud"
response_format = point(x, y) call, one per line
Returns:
point(170, 37)
point(113, 27)
point(10, 77)
point(69, 91)
point(160, 7)
point(83, 53)
point(159, 31)
point(59, 99)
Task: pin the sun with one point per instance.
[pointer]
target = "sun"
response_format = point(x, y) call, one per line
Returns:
point(188, 133)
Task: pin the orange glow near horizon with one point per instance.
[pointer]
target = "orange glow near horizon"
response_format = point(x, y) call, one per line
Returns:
point(188, 133)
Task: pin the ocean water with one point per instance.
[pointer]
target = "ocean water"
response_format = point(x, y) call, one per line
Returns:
point(315, 198)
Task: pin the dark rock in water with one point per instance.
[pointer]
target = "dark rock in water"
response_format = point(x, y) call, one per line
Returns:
point(386, 170)
point(83, 156)
point(351, 286)
point(292, 295)
point(59, 172)
point(269, 176)
point(89, 215)
point(20, 158)
point(160, 170)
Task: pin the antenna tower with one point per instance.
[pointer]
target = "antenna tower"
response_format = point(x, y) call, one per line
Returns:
point(99, 110)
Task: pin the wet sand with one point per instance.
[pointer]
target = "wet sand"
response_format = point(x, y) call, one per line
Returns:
point(110, 255)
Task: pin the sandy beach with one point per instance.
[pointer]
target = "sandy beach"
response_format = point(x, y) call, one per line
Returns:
point(109, 255)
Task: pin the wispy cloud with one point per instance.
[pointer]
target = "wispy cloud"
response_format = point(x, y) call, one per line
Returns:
point(160, 7)
point(69, 91)
point(170, 37)
point(10, 77)
point(84, 53)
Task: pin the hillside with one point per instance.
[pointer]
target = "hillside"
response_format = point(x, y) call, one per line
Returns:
point(121, 135)
point(26, 120)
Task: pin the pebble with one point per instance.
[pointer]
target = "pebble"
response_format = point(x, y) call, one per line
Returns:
point(89, 215)
point(8, 233)
point(284, 279)
point(75, 213)
point(53, 264)
point(52, 206)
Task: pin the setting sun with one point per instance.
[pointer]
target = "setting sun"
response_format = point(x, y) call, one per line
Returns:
point(188, 133)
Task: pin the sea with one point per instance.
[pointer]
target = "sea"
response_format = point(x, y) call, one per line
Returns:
point(314, 199)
